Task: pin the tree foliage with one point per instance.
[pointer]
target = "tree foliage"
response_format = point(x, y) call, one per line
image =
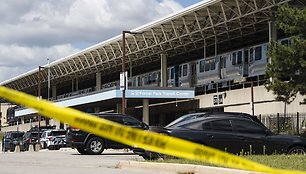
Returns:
point(287, 67)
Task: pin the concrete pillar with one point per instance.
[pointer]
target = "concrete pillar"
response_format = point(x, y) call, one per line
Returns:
point(76, 84)
point(163, 70)
point(98, 81)
point(119, 108)
point(272, 31)
point(145, 111)
point(22, 120)
point(272, 36)
point(72, 85)
point(54, 92)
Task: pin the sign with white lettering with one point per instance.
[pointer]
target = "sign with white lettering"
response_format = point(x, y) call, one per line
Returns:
point(160, 94)
point(123, 78)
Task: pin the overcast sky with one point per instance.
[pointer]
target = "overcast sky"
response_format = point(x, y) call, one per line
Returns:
point(33, 30)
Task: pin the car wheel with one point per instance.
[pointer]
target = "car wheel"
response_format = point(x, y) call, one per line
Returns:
point(297, 150)
point(82, 151)
point(95, 146)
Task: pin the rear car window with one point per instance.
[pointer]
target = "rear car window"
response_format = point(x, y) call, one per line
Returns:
point(57, 133)
point(221, 125)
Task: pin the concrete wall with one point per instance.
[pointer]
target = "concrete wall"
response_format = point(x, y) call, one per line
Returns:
point(264, 102)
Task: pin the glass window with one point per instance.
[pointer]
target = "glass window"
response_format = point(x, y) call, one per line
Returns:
point(115, 119)
point(180, 71)
point(222, 125)
point(285, 42)
point(251, 54)
point(207, 66)
point(202, 66)
point(248, 127)
point(172, 73)
point(258, 53)
point(207, 126)
point(131, 122)
point(57, 133)
point(212, 65)
point(185, 70)
point(239, 57)
point(194, 126)
point(234, 58)
point(222, 61)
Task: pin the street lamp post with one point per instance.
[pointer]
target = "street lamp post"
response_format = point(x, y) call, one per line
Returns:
point(123, 68)
point(39, 97)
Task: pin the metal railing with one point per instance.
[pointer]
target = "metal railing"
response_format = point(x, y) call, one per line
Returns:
point(294, 124)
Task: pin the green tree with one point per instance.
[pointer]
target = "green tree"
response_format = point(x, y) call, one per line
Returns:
point(287, 67)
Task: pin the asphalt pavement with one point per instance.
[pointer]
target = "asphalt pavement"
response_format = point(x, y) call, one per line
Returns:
point(66, 160)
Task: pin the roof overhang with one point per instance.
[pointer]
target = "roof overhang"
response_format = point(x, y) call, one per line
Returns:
point(161, 94)
point(206, 23)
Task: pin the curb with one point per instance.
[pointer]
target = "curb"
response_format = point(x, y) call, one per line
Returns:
point(180, 168)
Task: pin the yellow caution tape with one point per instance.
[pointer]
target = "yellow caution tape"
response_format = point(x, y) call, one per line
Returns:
point(135, 137)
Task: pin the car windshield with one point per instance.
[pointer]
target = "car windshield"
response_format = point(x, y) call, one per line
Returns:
point(17, 135)
point(184, 118)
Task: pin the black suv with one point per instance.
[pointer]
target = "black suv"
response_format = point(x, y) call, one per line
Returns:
point(87, 143)
point(11, 139)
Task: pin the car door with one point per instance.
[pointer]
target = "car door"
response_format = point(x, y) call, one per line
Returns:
point(220, 135)
point(251, 137)
point(110, 143)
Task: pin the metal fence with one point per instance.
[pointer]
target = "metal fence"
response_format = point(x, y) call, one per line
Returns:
point(294, 124)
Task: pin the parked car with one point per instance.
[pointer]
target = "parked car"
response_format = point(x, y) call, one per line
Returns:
point(53, 139)
point(87, 143)
point(211, 114)
point(11, 139)
point(30, 137)
point(232, 133)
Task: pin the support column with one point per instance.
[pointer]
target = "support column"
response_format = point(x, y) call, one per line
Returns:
point(145, 111)
point(119, 108)
point(54, 92)
point(72, 85)
point(76, 84)
point(98, 81)
point(163, 70)
point(272, 31)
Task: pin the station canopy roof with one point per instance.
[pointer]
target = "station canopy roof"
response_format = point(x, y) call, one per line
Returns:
point(189, 30)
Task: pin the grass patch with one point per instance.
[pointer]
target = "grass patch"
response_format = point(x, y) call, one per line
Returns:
point(290, 162)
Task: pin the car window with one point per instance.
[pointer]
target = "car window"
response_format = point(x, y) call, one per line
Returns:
point(248, 127)
point(57, 133)
point(131, 122)
point(115, 119)
point(207, 126)
point(193, 125)
point(221, 125)
point(44, 134)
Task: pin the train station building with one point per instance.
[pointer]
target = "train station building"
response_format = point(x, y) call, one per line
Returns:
point(210, 56)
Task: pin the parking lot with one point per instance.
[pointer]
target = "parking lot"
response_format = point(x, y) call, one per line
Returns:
point(68, 160)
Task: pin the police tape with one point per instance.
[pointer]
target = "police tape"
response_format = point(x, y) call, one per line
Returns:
point(135, 137)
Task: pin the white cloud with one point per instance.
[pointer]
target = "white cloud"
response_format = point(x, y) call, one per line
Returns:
point(31, 30)
point(16, 59)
